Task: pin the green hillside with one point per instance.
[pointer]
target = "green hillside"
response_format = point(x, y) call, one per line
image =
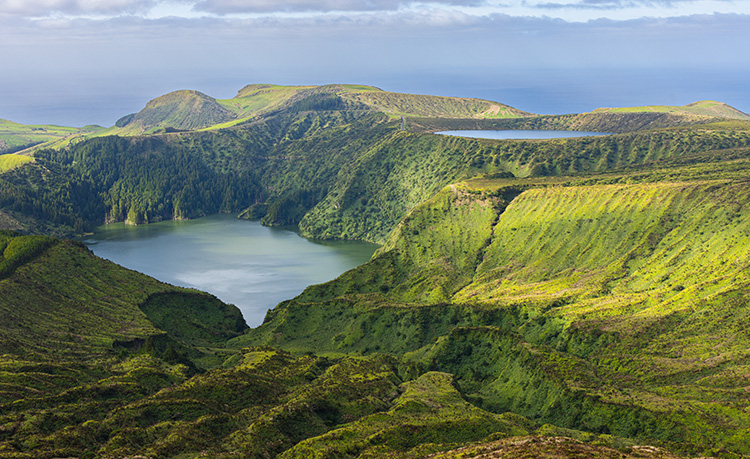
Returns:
point(347, 173)
point(59, 300)
point(11, 161)
point(614, 304)
point(100, 361)
point(15, 137)
point(704, 108)
point(413, 105)
point(192, 110)
point(550, 298)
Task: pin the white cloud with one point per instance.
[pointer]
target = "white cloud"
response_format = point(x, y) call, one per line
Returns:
point(223, 7)
point(36, 8)
point(569, 10)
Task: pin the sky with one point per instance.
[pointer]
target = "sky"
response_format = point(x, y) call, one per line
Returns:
point(78, 62)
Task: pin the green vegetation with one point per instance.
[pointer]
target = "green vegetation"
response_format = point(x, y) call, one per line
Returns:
point(10, 161)
point(413, 105)
point(559, 298)
point(336, 173)
point(706, 108)
point(15, 137)
point(95, 364)
point(609, 307)
point(190, 110)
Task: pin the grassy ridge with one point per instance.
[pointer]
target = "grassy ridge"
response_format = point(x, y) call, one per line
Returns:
point(412, 105)
point(706, 108)
point(192, 110)
point(607, 308)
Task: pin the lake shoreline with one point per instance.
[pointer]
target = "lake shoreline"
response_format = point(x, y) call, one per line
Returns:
point(241, 262)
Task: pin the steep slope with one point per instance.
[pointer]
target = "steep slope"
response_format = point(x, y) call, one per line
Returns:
point(58, 299)
point(611, 308)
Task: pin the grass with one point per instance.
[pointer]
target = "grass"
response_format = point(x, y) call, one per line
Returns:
point(593, 305)
point(432, 106)
point(11, 161)
point(16, 137)
point(706, 108)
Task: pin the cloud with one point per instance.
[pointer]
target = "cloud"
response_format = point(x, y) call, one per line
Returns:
point(31, 8)
point(568, 10)
point(613, 3)
point(609, 4)
point(222, 7)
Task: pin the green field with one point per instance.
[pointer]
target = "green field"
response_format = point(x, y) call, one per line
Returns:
point(11, 161)
point(706, 108)
point(15, 137)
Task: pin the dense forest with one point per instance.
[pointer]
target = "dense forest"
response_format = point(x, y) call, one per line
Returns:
point(348, 174)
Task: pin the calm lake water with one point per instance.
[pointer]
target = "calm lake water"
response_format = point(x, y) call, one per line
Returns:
point(521, 134)
point(239, 261)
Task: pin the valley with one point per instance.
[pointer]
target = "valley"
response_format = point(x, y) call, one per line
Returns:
point(549, 298)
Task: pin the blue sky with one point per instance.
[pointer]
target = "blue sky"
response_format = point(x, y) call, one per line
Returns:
point(77, 62)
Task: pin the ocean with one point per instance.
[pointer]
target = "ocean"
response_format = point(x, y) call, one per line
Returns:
point(103, 100)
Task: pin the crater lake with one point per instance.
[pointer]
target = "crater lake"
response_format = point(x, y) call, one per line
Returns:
point(241, 262)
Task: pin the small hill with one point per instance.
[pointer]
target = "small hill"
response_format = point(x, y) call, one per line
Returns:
point(704, 108)
point(179, 110)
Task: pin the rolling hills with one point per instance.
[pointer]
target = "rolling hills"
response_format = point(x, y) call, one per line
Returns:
point(191, 110)
point(334, 160)
point(552, 298)
point(99, 361)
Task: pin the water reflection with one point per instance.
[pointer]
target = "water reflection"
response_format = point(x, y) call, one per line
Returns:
point(241, 262)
